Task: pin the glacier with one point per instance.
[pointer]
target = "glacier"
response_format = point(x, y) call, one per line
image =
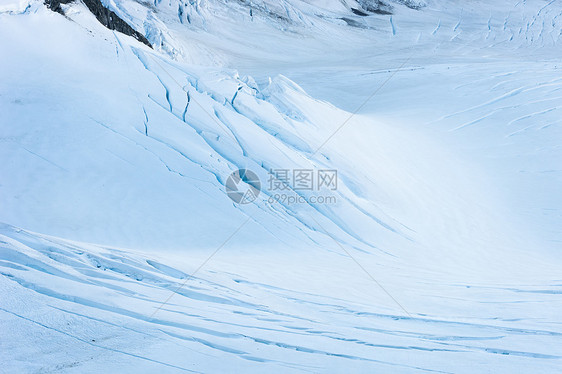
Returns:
point(121, 251)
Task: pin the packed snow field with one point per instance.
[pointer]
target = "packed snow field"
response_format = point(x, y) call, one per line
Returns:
point(441, 253)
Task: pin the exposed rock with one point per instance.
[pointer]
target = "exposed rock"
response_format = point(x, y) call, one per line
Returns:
point(54, 5)
point(413, 4)
point(106, 17)
point(359, 12)
point(376, 6)
point(384, 7)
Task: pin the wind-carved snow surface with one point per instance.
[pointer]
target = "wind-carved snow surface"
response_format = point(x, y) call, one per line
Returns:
point(448, 188)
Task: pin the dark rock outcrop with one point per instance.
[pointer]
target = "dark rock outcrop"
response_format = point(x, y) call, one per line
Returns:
point(359, 12)
point(106, 17)
point(384, 6)
point(376, 6)
point(54, 5)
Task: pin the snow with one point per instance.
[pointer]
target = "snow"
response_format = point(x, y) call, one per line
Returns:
point(442, 252)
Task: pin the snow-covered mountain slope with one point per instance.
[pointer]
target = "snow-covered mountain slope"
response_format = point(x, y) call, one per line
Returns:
point(442, 252)
point(86, 309)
